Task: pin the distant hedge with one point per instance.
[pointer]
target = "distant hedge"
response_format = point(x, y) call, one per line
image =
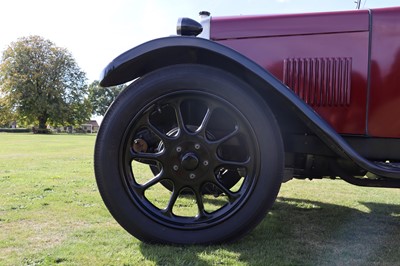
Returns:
point(15, 130)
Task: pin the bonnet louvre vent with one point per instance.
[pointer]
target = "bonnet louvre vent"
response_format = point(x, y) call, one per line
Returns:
point(319, 81)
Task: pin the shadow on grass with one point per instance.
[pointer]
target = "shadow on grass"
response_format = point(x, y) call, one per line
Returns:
point(302, 232)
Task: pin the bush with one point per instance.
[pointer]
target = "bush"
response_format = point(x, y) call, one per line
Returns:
point(15, 130)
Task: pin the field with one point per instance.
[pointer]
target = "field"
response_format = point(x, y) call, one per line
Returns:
point(51, 214)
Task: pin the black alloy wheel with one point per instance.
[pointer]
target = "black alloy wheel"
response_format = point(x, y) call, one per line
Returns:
point(214, 149)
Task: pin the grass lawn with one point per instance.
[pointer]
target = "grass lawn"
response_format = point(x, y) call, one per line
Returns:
point(51, 214)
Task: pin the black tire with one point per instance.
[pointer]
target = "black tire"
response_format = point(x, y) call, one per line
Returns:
point(223, 127)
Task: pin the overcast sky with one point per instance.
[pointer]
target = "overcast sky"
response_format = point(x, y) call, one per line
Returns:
point(96, 31)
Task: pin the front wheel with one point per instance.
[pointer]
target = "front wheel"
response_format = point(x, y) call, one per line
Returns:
point(214, 149)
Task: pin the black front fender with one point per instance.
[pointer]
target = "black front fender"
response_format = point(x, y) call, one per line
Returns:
point(165, 52)
point(182, 50)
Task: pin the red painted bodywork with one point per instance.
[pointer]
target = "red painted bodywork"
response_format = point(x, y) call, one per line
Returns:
point(346, 65)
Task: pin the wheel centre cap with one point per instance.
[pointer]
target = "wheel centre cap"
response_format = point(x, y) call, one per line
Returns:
point(189, 161)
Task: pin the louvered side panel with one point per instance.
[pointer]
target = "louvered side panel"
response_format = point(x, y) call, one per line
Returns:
point(319, 81)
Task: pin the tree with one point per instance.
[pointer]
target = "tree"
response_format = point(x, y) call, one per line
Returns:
point(102, 97)
point(6, 115)
point(41, 83)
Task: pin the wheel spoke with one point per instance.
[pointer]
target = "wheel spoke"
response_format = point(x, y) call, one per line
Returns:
point(203, 126)
point(159, 156)
point(141, 188)
point(226, 137)
point(144, 122)
point(231, 196)
point(200, 203)
point(152, 181)
point(171, 202)
point(234, 164)
point(162, 136)
point(179, 117)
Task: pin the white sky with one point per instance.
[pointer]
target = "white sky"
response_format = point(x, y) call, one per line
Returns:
point(96, 31)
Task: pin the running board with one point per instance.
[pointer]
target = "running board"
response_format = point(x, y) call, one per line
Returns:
point(366, 182)
point(371, 180)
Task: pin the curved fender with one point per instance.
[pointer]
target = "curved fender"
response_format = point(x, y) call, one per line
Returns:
point(178, 50)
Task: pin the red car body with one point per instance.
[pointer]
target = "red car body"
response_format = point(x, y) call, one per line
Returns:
point(252, 102)
point(346, 65)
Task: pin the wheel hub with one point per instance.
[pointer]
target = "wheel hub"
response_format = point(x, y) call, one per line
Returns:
point(189, 161)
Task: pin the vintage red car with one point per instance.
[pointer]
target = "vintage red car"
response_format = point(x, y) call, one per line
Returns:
point(195, 149)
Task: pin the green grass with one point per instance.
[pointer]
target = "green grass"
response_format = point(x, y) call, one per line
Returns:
point(51, 214)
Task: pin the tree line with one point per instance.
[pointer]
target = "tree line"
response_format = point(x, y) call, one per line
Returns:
point(42, 85)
